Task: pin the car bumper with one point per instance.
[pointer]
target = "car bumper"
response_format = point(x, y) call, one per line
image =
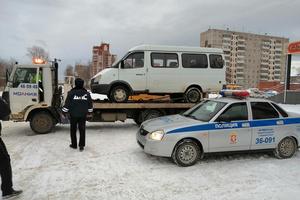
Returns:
point(157, 148)
point(100, 88)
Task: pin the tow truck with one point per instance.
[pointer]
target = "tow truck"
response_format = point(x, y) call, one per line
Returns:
point(34, 96)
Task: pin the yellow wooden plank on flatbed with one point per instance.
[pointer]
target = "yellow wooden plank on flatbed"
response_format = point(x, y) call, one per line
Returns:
point(142, 105)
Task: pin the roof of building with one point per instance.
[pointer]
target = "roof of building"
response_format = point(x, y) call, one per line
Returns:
point(175, 49)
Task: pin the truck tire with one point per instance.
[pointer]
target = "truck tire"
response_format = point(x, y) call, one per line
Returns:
point(151, 114)
point(42, 122)
point(286, 148)
point(186, 153)
point(193, 95)
point(119, 94)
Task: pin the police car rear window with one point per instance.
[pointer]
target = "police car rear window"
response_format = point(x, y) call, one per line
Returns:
point(263, 110)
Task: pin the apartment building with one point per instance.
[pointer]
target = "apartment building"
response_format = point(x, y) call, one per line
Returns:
point(250, 58)
point(102, 58)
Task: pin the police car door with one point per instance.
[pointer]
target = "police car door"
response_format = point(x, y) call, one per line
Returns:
point(232, 129)
point(266, 125)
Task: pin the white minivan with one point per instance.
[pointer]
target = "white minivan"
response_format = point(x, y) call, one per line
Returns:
point(187, 72)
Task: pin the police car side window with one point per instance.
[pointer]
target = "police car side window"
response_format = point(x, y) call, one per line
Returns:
point(282, 112)
point(263, 110)
point(235, 112)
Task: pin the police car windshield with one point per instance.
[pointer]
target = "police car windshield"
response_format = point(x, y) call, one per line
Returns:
point(205, 110)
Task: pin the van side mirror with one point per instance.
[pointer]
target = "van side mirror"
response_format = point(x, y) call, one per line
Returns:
point(223, 118)
point(7, 76)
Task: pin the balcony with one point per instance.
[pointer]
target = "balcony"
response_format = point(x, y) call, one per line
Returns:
point(264, 78)
point(265, 47)
point(226, 48)
point(226, 38)
point(264, 67)
point(240, 61)
point(264, 62)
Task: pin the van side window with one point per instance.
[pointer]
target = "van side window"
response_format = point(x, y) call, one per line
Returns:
point(216, 61)
point(134, 60)
point(164, 60)
point(194, 61)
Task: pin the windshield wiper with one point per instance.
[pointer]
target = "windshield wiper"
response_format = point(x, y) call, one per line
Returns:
point(191, 116)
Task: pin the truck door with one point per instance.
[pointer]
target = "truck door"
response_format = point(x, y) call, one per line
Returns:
point(133, 71)
point(232, 131)
point(24, 89)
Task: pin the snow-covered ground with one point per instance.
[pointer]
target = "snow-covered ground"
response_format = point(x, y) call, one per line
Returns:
point(113, 166)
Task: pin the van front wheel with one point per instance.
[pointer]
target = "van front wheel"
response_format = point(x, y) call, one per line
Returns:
point(193, 95)
point(119, 94)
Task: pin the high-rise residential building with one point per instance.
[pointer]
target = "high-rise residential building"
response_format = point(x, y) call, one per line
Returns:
point(102, 58)
point(250, 58)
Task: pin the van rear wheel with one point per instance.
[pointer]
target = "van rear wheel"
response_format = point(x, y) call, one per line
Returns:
point(119, 94)
point(193, 95)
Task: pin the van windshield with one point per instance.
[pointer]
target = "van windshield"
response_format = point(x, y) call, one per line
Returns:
point(204, 111)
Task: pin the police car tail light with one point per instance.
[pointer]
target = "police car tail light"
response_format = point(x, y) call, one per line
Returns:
point(235, 93)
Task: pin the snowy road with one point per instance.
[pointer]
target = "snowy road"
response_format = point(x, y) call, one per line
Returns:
point(114, 167)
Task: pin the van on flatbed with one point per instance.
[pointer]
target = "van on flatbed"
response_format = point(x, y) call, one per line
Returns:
point(181, 72)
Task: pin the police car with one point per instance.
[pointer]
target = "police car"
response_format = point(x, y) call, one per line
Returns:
point(231, 123)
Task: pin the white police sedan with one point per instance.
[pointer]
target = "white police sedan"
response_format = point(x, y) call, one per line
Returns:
point(225, 124)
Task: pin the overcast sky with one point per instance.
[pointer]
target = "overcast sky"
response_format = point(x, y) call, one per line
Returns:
point(69, 28)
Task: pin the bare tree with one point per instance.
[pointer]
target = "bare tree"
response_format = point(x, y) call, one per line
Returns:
point(5, 65)
point(38, 52)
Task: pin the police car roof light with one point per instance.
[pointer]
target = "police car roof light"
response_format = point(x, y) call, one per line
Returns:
point(235, 93)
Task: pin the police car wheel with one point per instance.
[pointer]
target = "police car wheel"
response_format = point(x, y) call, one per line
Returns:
point(42, 122)
point(193, 95)
point(286, 148)
point(186, 153)
point(119, 94)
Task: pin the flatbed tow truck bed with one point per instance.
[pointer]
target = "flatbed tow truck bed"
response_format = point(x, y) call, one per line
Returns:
point(138, 111)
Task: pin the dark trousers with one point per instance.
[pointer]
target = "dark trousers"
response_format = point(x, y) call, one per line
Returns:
point(5, 169)
point(80, 123)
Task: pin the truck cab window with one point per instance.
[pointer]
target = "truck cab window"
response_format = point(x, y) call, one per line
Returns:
point(134, 60)
point(24, 75)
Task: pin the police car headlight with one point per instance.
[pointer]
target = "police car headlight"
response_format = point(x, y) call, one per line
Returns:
point(157, 135)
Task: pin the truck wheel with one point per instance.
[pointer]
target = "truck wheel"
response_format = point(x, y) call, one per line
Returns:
point(186, 153)
point(42, 122)
point(193, 95)
point(119, 94)
point(286, 148)
point(151, 114)
point(138, 118)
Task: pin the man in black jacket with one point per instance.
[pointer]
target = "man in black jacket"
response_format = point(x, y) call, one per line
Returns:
point(5, 167)
point(79, 105)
